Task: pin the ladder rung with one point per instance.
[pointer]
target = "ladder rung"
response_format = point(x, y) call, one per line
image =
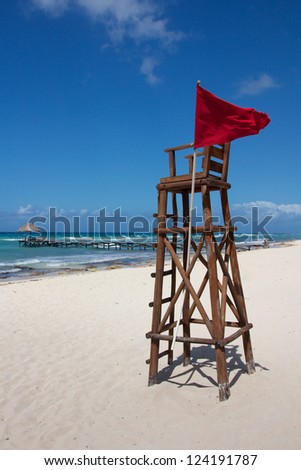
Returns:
point(163, 301)
point(181, 339)
point(162, 354)
point(165, 273)
point(168, 216)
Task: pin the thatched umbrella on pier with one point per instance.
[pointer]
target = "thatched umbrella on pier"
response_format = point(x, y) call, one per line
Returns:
point(29, 228)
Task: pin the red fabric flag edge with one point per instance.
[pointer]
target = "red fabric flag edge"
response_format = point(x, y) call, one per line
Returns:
point(217, 121)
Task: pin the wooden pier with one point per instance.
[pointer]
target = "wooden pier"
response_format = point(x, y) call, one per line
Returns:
point(34, 242)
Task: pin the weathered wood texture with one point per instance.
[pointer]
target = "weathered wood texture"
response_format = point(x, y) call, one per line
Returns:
point(219, 262)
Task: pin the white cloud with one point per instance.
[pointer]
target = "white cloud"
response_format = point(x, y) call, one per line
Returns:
point(122, 10)
point(136, 19)
point(293, 209)
point(268, 215)
point(151, 28)
point(140, 21)
point(24, 210)
point(255, 86)
point(55, 7)
point(147, 69)
point(268, 207)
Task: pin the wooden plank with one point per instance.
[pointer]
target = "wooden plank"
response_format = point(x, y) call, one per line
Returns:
point(178, 291)
point(189, 286)
point(235, 335)
point(239, 291)
point(224, 287)
point(158, 290)
point(170, 326)
point(231, 324)
point(172, 163)
point(213, 286)
point(234, 293)
point(226, 160)
point(220, 342)
point(186, 259)
point(181, 339)
point(198, 154)
point(216, 152)
point(180, 147)
point(173, 282)
point(190, 159)
point(163, 301)
point(205, 161)
point(160, 355)
point(215, 166)
point(221, 365)
point(186, 177)
point(168, 216)
point(170, 308)
point(214, 182)
point(225, 207)
point(204, 262)
point(199, 294)
point(165, 273)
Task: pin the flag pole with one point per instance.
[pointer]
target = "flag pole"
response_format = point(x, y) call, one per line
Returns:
point(175, 332)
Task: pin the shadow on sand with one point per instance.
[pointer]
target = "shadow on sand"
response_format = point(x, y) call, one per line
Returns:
point(201, 372)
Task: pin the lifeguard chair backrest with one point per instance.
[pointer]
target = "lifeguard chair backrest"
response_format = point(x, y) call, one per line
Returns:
point(216, 161)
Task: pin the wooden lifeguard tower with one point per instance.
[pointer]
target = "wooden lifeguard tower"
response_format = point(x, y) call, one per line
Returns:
point(175, 289)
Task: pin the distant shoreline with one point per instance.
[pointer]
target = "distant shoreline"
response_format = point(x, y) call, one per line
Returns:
point(30, 274)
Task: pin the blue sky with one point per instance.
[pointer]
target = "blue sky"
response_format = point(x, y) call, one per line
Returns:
point(92, 91)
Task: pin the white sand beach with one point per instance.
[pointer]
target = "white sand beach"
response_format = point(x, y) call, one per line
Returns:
point(73, 372)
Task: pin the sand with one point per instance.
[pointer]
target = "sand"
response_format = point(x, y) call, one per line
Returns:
point(73, 372)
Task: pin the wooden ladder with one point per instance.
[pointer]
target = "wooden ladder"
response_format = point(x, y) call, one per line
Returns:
point(219, 262)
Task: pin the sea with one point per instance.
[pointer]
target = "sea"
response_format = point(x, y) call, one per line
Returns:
point(21, 262)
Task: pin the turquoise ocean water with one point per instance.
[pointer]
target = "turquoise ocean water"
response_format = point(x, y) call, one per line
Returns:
point(17, 262)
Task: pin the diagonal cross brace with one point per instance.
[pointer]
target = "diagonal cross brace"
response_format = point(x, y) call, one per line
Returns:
point(181, 287)
point(189, 286)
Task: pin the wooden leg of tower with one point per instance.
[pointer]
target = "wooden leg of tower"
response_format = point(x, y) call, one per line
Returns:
point(221, 364)
point(185, 308)
point(238, 284)
point(244, 319)
point(222, 373)
point(157, 304)
point(172, 314)
point(173, 270)
point(248, 353)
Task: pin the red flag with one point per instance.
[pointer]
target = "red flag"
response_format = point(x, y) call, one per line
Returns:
point(217, 121)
